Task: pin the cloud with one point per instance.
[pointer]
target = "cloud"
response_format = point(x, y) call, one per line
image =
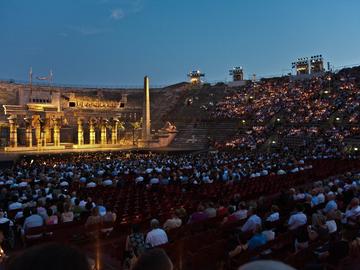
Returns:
point(117, 14)
point(88, 30)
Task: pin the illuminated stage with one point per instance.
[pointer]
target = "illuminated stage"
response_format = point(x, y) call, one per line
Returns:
point(49, 120)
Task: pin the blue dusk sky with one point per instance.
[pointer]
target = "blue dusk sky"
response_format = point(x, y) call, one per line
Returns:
point(117, 42)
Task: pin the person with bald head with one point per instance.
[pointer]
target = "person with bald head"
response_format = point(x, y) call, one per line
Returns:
point(156, 236)
point(266, 265)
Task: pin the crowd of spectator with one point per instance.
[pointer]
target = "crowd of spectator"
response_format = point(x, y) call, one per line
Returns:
point(324, 108)
point(54, 189)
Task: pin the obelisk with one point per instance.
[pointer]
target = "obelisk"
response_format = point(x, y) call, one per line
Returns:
point(146, 111)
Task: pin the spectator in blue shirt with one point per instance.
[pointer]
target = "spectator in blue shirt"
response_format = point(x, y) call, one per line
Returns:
point(257, 240)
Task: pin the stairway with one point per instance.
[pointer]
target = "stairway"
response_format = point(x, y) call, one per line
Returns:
point(190, 137)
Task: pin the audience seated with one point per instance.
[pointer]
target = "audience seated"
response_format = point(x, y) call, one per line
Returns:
point(156, 236)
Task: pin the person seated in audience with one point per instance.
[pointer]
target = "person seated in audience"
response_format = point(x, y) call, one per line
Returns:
point(221, 210)
point(210, 211)
point(4, 219)
point(155, 259)
point(297, 219)
point(242, 212)
point(274, 214)
point(318, 229)
point(94, 218)
point(352, 261)
point(110, 215)
point(51, 218)
point(102, 208)
point(301, 235)
point(134, 246)
point(173, 222)
point(67, 215)
point(108, 218)
point(265, 265)
point(198, 216)
point(258, 239)
point(338, 249)
point(331, 204)
point(268, 231)
point(41, 210)
point(15, 204)
point(308, 208)
point(230, 216)
point(77, 209)
point(182, 214)
point(252, 222)
point(49, 257)
point(352, 212)
point(32, 220)
point(156, 236)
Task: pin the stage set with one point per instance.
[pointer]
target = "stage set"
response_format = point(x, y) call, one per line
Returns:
point(48, 120)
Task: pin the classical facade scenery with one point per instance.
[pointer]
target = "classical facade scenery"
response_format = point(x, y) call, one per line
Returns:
point(51, 118)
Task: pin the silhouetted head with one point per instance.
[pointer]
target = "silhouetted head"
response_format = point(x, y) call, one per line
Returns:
point(155, 259)
point(49, 257)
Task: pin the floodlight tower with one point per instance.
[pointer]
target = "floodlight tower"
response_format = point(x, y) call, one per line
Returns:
point(301, 65)
point(237, 74)
point(316, 64)
point(195, 76)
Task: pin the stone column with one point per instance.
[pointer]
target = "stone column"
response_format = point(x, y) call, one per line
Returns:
point(81, 132)
point(56, 132)
point(92, 132)
point(146, 110)
point(46, 133)
point(103, 133)
point(114, 132)
point(38, 133)
point(13, 131)
point(28, 132)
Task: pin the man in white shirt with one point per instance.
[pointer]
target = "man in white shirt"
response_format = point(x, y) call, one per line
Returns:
point(297, 219)
point(252, 221)
point(156, 236)
point(173, 222)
